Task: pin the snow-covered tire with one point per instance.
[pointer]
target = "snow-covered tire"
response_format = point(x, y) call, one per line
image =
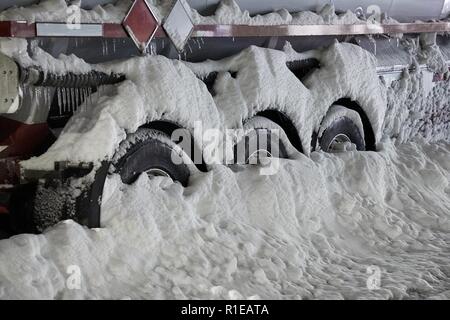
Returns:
point(146, 149)
point(150, 149)
point(262, 134)
point(341, 126)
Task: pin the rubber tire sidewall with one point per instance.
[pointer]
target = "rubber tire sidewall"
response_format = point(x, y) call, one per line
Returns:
point(343, 125)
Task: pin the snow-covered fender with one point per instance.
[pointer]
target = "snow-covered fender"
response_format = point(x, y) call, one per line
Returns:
point(348, 72)
point(258, 79)
point(156, 89)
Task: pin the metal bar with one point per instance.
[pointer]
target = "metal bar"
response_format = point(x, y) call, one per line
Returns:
point(21, 29)
point(18, 29)
point(68, 30)
point(316, 30)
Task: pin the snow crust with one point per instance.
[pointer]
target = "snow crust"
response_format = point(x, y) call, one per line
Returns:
point(229, 12)
point(62, 11)
point(161, 89)
point(315, 229)
point(427, 114)
point(310, 231)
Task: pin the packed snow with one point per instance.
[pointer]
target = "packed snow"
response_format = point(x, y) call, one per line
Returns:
point(326, 226)
point(63, 11)
point(316, 229)
point(227, 12)
point(171, 90)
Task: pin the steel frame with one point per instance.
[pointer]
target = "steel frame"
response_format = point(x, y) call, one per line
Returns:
point(22, 29)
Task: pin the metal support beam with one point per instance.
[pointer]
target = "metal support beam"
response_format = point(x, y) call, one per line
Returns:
point(22, 29)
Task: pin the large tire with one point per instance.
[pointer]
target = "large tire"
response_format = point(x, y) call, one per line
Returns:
point(261, 134)
point(342, 128)
point(149, 149)
point(144, 150)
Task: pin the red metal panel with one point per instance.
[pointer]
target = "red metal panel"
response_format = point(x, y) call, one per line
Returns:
point(23, 140)
point(141, 23)
point(5, 28)
point(114, 30)
point(23, 29)
point(17, 29)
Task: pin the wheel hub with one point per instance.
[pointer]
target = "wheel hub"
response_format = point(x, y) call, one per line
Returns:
point(156, 172)
point(339, 143)
point(259, 157)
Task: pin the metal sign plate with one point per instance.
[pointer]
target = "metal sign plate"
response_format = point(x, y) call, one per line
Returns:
point(178, 25)
point(141, 24)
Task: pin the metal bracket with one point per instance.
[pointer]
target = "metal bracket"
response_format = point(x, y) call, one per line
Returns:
point(63, 171)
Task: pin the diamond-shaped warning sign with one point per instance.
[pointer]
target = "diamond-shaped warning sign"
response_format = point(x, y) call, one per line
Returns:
point(141, 24)
point(178, 25)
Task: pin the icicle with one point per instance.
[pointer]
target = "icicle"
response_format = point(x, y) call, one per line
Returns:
point(114, 45)
point(64, 99)
point(69, 99)
point(38, 92)
point(77, 97)
point(58, 94)
point(90, 97)
point(103, 47)
point(45, 96)
point(50, 96)
point(72, 96)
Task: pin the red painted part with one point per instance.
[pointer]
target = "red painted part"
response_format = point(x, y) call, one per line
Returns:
point(17, 29)
point(114, 30)
point(23, 140)
point(4, 210)
point(140, 22)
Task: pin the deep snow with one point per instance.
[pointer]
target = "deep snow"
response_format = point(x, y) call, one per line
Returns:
point(310, 231)
point(227, 12)
point(318, 228)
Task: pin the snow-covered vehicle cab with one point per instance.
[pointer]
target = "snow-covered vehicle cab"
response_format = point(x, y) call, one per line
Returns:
point(111, 97)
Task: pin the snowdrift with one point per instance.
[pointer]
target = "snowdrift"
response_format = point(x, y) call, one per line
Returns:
point(310, 231)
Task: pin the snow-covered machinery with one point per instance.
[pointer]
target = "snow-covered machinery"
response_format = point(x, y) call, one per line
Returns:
point(335, 99)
